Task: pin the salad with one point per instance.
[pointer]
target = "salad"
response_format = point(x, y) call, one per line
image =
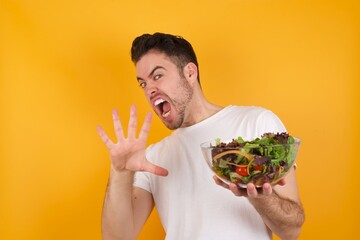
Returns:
point(264, 159)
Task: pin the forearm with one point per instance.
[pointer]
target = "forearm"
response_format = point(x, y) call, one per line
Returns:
point(117, 215)
point(283, 216)
point(126, 208)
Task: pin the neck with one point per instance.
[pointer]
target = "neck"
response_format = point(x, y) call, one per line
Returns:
point(199, 109)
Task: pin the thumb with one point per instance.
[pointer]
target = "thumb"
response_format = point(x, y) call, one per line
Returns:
point(152, 168)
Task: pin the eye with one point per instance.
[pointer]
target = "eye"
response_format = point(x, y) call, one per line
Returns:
point(157, 77)
point(142, 84)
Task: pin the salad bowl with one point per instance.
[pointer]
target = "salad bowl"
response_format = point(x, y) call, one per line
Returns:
point(263, 160)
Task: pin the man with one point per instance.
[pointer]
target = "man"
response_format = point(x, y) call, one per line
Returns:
point(172, 174)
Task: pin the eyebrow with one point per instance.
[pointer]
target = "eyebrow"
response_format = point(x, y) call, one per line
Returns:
point(152, 72)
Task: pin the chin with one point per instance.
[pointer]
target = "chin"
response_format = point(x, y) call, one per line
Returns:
point(171, 125)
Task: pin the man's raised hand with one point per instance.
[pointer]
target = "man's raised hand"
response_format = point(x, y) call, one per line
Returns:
point(129, 153)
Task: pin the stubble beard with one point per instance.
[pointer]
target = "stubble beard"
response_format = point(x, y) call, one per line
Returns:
point(181, 104)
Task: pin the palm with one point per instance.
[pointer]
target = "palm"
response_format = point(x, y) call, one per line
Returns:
point(129, 153)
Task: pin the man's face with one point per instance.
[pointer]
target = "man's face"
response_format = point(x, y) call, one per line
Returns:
point(167, 92)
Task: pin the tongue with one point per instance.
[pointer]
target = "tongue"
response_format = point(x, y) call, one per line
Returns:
point(166, 107)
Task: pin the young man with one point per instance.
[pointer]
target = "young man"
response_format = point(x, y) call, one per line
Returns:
point(172, 174)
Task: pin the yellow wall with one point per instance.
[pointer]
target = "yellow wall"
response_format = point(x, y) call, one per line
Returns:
point(65, 65)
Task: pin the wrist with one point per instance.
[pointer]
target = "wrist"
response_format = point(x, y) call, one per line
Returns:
point(122, 175)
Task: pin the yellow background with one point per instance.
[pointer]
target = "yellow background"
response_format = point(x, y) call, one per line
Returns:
point(66, 64)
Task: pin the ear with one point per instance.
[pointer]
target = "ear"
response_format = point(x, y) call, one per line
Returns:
point(191, 72)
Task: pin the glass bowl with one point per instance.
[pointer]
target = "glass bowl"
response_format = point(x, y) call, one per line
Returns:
point(249, 162)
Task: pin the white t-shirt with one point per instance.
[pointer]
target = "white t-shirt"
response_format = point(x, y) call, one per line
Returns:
point(189, 203)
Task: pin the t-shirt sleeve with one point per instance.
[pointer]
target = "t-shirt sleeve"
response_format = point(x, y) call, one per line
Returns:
point(269, 122)
point(142, 180)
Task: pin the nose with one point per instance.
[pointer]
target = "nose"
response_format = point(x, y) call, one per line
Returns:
point(150, 88)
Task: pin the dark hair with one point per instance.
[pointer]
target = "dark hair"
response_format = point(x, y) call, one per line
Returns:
point(176, 48)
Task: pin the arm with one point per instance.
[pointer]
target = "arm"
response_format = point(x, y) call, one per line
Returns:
point(126, 208)
point(279, 206)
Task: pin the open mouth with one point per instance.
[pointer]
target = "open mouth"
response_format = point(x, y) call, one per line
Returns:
point(163, 107)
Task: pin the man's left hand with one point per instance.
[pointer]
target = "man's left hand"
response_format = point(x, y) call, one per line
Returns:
point(250, 191)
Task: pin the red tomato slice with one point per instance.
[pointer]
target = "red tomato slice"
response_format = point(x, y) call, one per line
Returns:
point(242, 170)
point(258, 167)
point(238, 181)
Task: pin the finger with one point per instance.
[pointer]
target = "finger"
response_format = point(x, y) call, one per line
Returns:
point(236, 190)
point(119, 132)
point(132, 123)
point(251, 190)
point(220, 183)
point(104, 137)
point(149, 167)
point(281, 182)
point(267, 189)
point(145, 127)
